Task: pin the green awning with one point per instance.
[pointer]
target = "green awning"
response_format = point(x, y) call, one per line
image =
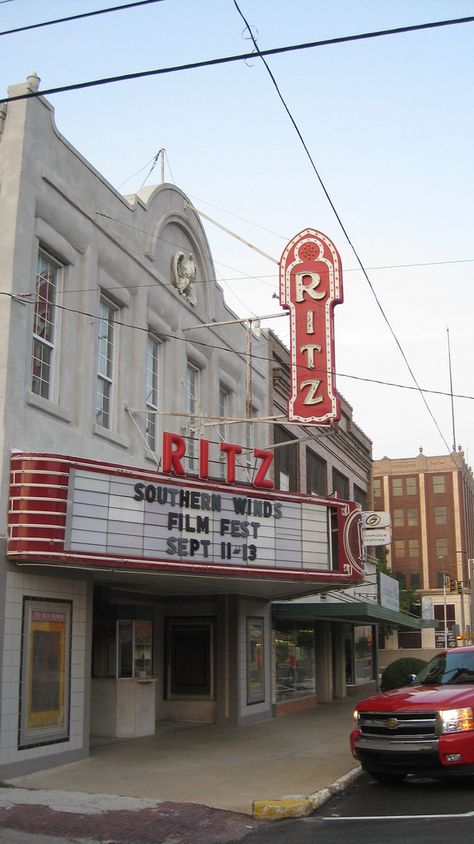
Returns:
point(357, 612)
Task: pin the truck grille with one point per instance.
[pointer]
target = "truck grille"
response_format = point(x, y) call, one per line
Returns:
point(398, 725)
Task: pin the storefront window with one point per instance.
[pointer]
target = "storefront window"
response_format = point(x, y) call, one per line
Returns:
point(122, 648)
point(363, 654)
point(294, 660)
point(255, 661)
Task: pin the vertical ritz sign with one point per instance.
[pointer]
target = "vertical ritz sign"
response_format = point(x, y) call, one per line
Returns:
point(310, 287)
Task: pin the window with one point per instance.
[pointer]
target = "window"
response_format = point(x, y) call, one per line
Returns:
point(412, 517)
point(440, 516)
point(105, 363)
point(398, 518)
point(414, 580)
point(286, 462)
point(399, 548)
point(441, 544)
point(377, 487)
point(248, 456)
point(397, 486)
point(255, 661)
point(413, 548)
point(340, 484)
point(316, 474)
point(360, 497)
point(152, 362)
point(439, 484)
point(401, 577)
point(44, 326)
point(191, 387)
point(224, 400)
point(411, 486)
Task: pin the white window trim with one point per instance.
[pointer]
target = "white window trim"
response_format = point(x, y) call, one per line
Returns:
point(53, 383)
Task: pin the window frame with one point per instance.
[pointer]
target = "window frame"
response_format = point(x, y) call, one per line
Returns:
point(191, 407)
point(152, 390)
point(105, 418)
point(49, 346)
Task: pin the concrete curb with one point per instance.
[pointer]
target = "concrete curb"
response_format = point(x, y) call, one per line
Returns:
point(301, 807)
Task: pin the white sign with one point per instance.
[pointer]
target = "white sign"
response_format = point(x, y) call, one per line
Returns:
point(373, 519)
point(377, 537)
point(109, 514)
point(389, 592)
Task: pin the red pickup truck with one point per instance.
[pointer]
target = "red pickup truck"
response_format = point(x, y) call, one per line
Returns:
point(426, 727)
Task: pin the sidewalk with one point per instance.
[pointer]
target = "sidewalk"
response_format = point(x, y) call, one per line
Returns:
point(186, 770)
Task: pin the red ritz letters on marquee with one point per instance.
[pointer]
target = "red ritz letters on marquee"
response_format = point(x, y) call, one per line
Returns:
point(310, 287)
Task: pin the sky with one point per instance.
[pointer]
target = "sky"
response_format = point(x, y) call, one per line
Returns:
point(389, 124)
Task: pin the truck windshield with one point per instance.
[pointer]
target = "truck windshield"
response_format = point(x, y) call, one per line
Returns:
point(448, 668)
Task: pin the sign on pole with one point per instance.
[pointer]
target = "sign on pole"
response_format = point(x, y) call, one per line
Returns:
point(310, 287)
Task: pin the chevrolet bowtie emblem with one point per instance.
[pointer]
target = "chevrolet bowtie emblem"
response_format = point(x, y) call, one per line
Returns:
point(392, 723)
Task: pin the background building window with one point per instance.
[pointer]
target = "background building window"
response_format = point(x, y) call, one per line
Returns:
point(399, 548)
point(340, 484)
point(360, 497)
point(440, 516)
point(285, 462)
point(441, 545)
point(151, 387)
point(377, 487)
point(439, 483)
point(398, 518)
point(412, 517)
point(316, 474)
point(44, 326)
point(414, 580)
point(413, 548)
point(397, 486)
point(105, 364)
point(411, 486)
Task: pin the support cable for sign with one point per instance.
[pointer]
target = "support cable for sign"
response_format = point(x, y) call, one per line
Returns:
point(261, 54)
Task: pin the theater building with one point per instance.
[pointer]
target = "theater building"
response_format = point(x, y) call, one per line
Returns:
point(142, 536)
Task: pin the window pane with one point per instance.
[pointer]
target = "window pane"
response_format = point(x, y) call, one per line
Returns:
point(151, 387)
point(398, 518)
point(439, 483)
point(440, 515)
point(411, 486)
point(105, 352)
point(316, 474)
point(412, 517)
point(397, 486)
point(44, 326)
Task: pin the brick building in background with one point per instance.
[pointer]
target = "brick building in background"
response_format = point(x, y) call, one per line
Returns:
point(431, 501)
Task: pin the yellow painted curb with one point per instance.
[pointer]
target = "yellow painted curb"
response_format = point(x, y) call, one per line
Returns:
point(272, 810)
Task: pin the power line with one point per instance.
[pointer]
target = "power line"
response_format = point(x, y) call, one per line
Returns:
point(339, 219)
point(168, 336)
point(126, 77)
point(78, 17)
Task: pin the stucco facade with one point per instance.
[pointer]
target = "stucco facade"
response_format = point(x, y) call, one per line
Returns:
point(125, 380)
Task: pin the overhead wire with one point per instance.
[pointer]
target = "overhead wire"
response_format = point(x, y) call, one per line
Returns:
point(326, 42)
point(261, 54)
point(23, 299)
point(92, 14)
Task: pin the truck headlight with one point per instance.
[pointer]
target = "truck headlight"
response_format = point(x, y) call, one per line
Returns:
point(456, 720)
point(355, 719)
